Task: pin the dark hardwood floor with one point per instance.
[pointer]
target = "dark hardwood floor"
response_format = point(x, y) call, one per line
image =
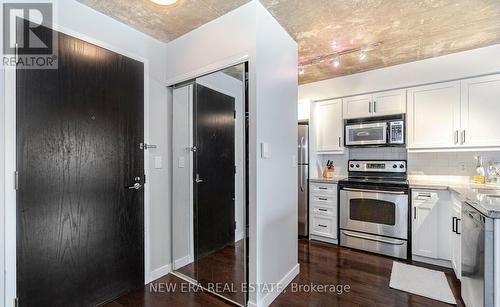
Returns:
point(225, 266)
point(366, 274)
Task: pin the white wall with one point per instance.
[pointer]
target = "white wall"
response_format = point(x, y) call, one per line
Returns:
point(448, 67)
point(73, 17)
point(276, 177)
point(250, 32)
point(182, 185)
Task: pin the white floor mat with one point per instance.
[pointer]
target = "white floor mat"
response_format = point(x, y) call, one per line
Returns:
point(421, 281)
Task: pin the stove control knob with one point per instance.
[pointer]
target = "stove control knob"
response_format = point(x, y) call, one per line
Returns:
point(402, 166)
point(357, 165)
point(395, 166)
point(352, 165)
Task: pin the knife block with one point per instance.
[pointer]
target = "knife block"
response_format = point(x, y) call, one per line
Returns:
point(328, 172)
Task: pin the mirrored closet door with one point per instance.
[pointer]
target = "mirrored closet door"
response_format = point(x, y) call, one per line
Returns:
point(209, 185)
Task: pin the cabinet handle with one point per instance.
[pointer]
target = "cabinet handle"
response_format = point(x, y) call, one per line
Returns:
point(456, 137)
point(322, 188)
point(374, 107)
point(456, 227)
point(370, 107)
point(321, 198)
point(340, 141)
point(453, 227)
point(320, 225)
point(320, 209)
point(463, 136)
point(414, 213)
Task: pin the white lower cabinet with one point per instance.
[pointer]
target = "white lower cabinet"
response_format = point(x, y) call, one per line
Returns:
point(456, 244)
point(425, 224)
point(431, 224)
point(436, 216)
point(323, 212)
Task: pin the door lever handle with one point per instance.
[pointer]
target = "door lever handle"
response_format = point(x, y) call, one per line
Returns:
point(136, 186)
point(197, 179)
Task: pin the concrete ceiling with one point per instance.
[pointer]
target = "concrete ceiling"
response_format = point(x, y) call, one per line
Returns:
point(409, 30)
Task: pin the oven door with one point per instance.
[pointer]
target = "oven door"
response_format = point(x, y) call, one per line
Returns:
point(383, 213)
point(366, 134)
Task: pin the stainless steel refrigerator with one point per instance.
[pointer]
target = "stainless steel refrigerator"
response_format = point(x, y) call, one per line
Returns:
point(303, 167)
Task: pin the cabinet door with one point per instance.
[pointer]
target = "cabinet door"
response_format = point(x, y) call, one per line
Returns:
point(456, 242)
point(424, 226)
point(480, 111)
point(434, 116)
point(328, 125)
point(389, 102)
point(358, 106)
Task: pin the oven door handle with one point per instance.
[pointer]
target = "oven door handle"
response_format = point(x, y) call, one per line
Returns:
point(360, 236)
point(374, 191)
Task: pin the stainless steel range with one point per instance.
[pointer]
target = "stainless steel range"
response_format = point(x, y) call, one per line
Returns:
point(374, 208)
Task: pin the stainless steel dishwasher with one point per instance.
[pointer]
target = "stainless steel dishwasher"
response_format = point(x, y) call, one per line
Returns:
point(477, 258)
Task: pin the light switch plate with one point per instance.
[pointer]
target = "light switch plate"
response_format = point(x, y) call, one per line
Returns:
point(182, 162)
point(265, 151)
point(158, 162)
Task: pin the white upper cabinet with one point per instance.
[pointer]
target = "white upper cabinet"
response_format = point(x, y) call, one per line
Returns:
point(433, 116)
point(328, 126)
point(357, 106)
point(389, 103)
point(378, 104)
point(481, 111)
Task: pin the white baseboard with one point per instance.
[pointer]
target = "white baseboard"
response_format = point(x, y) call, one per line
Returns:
point(282, 284)
point(179, 263)
point(238, 236)
point(159, 272)
point(438, 262)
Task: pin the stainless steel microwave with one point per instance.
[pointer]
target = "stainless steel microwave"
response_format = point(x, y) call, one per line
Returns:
point(381, 131)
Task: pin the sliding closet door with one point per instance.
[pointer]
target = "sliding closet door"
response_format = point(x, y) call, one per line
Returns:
point(214, 171)
point(80, 229)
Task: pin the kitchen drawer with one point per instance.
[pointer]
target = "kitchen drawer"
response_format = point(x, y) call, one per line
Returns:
point(324, 226)
point(323, 189)
point(323, 200)
point(324, 210)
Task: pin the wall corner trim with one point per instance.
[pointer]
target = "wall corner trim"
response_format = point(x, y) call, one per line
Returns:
point(159, 272)
point(282, 284)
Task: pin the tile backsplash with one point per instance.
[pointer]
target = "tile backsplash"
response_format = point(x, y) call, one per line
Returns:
point(448, 163)
point(430, 164)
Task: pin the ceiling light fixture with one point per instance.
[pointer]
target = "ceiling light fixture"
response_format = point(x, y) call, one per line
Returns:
point(336, 62)
point(164, 2)
point(334, 58)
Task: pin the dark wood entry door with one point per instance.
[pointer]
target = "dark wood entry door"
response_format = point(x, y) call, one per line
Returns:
point(80, 230)
point(214, 171)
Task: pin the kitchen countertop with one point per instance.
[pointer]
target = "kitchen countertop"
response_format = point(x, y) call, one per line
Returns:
point(474, 194)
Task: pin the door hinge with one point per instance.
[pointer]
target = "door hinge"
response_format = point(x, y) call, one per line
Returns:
point(144, 181)
point(16, 302)
point(234, 224)
point(16, 180)
point(234, 114)
point(246, 76)
point(144, 146)
point(235, 169)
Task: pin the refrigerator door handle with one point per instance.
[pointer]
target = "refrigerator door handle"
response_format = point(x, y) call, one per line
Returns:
point(300, 164)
